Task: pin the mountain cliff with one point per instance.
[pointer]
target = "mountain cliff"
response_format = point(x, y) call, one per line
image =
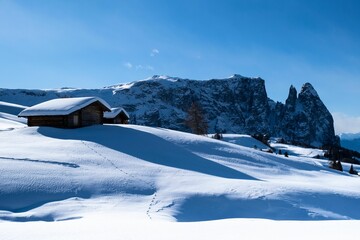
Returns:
point(234, 105)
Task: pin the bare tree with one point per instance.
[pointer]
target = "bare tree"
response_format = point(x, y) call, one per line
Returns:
point(195, 120)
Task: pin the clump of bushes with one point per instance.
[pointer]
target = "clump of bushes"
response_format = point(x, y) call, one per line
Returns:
point(217, 136)
point(336, 164)
point(264, 138)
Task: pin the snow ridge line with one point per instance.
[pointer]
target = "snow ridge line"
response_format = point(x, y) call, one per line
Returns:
point(126, 173)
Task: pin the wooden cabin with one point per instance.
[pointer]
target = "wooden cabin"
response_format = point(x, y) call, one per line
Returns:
point(67, 112)
point(117, 116)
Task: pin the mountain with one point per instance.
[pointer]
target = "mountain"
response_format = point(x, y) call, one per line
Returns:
point(349, 136)
point(234, 105)
point(350, 141)
point(304, 118)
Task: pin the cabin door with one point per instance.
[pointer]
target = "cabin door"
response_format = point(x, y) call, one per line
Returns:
point(76, 120)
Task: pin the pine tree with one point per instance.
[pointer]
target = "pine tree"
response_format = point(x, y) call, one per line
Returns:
point(134, 120)
point(339, 166)
point(195, 120)
point(336, 164)
point(352, 171)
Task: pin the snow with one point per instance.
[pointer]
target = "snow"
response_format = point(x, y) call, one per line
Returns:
point(296, 150)
point(9, 122)
point(121, 86)
point(136, 182)
point(236, 76)
point(111, 227)
point(11, 108)
point(12, 105)
point(163, 77)
point(244, 140)
point(114, 112)
point(60, 106)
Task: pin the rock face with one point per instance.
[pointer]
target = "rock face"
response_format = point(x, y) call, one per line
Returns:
point(305, 119)
point(234, 105)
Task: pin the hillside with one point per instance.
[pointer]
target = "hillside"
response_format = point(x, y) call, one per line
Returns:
point(154, 176)
point(351, 141)
point(8, 118)
point(231, 105)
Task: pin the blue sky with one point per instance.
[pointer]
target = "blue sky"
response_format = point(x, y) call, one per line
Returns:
point(92, 44)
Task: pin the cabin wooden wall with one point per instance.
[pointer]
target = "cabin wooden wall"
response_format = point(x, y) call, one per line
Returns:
point(71, 122)
point(108, 120)
point(121, 118)
point(92, 114)
point(53, 121)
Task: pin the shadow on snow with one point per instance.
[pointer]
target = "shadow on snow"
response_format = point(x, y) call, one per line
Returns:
point(147, 147)
point(64, 164)
point(300, 206)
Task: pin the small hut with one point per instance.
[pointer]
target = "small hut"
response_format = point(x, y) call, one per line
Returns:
point(117, 116)
point(67, 112)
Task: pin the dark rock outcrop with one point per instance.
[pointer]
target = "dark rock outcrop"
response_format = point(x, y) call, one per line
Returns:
point(305, 118)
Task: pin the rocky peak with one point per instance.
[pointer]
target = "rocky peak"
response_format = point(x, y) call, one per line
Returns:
point(306, 118)
point(290, 102)
point(237, 76)
point(308, 90)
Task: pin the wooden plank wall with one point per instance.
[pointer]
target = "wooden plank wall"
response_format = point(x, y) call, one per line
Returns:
point(70, 120)
point(92, 114)
point(55, 121)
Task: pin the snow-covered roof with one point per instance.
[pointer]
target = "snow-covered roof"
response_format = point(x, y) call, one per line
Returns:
point(61, 106)
point(114, 112)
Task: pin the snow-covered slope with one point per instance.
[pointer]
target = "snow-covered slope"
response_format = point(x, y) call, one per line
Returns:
point(11, 108)
point(9, 122)
point(8, 118)
point(128, 181)
point(292, 150)
point(244, 140)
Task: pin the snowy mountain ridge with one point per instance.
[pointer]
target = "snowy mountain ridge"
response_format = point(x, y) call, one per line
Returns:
point(349, 136)
point(233, 105)
point(350, 141)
